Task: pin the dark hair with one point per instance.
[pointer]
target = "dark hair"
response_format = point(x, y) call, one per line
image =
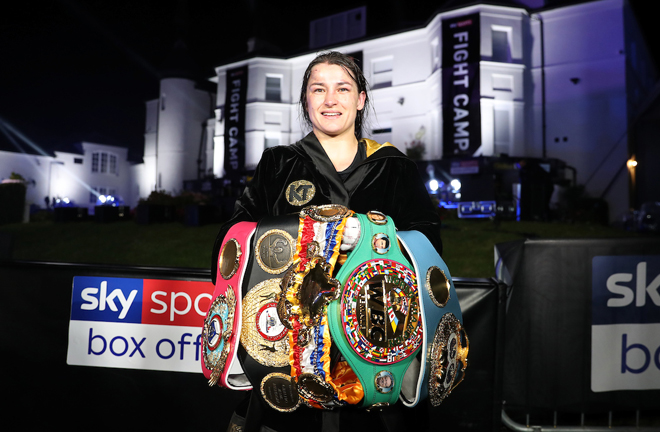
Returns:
point(353, 70)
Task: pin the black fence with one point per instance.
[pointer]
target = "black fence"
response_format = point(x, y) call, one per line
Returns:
point(44, 392)
point(548, 334)
point(530, 351)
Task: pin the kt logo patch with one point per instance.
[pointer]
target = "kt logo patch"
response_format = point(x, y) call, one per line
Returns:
point(300, 192)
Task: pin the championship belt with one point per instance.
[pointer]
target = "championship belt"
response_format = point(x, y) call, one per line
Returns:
point(222, 325)
point(264, 350)
point(376, 323)
point(445, 344)
point(307, 288)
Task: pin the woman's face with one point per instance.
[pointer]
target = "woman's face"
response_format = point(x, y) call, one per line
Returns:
point(333, 101)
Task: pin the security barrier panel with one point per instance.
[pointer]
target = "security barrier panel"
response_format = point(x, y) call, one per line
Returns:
point(582, 333)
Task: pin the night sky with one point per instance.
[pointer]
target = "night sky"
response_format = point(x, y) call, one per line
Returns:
point(73, 70)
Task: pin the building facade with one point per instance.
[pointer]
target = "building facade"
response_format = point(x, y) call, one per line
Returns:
point(481, 80)
point(559, 83)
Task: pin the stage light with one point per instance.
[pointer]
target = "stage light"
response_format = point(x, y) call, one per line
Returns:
point(433, 185)
point(456, 185)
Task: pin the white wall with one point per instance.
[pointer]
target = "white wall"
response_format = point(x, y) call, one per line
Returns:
point(182, 114)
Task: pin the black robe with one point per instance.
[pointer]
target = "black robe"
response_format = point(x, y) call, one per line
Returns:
point(386, 181)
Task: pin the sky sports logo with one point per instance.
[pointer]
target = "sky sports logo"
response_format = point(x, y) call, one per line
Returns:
point(625, 345)
point(137, 323)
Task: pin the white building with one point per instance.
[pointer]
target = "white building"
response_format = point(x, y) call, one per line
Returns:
point(561, 83)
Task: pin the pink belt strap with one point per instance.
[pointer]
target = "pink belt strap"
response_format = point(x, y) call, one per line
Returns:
point(222, 326)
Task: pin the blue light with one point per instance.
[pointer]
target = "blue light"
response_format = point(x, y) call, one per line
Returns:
point(109, 200)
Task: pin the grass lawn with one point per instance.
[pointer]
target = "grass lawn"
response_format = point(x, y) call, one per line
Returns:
point(468, 244)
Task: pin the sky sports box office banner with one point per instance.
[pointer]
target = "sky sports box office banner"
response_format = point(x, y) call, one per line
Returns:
point(582, 329)
point(119, 346)
point(137, 323)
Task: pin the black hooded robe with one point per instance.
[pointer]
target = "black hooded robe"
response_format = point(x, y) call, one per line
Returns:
point(386, 181)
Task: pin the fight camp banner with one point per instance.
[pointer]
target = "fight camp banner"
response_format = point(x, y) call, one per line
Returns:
point(625, 330)
point(234, 115)
point(137, 323)
point(460, 86)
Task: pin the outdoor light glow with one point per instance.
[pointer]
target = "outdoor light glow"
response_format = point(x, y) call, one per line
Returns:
point(433, 185)
point(632, 163)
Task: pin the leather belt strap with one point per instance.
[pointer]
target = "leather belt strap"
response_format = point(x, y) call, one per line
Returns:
point(222, 326)
point(440, 312)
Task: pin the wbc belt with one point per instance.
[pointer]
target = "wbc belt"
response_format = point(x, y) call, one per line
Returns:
point(222, 325)
point(445, 344)
point(376, 322)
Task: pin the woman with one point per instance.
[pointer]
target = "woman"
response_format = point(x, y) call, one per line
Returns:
point(332, 165)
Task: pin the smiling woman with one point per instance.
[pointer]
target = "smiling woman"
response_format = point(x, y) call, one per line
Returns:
point(333, 101)
point(333, 164)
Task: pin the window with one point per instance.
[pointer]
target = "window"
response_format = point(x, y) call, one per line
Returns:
point(271, 139)
point(113, 164)
point(381, 72)
point(273, 88)
point(435, 53)
point(95, 162)
point(501, 38)
point(502, 132)
point(78, 161)
point(103, 162)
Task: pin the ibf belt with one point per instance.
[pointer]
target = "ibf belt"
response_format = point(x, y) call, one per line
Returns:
point(222, 325)
point(376, 322)
point(445, 350)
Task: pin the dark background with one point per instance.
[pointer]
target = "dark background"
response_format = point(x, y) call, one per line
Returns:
point(74, 70)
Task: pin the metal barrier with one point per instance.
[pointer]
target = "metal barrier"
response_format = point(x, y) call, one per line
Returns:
point(565, 306)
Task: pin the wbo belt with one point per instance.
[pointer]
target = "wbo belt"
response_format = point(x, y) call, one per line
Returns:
point(445, 344)
point(376, 322)
point(222, 325)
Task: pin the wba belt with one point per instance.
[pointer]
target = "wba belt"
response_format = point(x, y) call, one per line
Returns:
point(445, 344)
point(222, 325)
point(376, 322)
